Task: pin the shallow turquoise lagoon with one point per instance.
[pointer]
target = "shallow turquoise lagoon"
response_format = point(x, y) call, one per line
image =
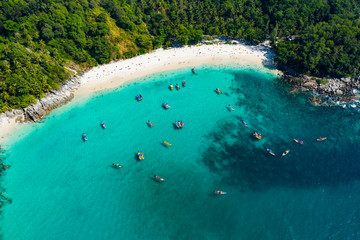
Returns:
point(64, 188)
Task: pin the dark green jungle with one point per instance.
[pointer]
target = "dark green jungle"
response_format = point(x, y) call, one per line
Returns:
point(39, 38)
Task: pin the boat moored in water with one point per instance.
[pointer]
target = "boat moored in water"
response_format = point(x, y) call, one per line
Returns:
point(179, 124)
point(166, 105)
point(171, 87)
point(321, 139)
point(140, 155)
point(159, 178)
point(193, 71)
point(184, 83)
point(258, 135)
point(285, 153)
point(218, 91)
point(103, 125)
point(150, 123)
point(139, 97)
point(117, 165)
point(298, 141)
point(270, 151)
point(165, 142)
point(219, 192)
point(177, 87)
point(84, 137)
point(244, 123)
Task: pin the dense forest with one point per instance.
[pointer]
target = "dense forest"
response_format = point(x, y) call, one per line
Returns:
point(38, 38)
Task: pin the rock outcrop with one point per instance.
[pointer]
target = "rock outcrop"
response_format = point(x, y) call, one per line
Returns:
point(53, 99)
point(326, 91)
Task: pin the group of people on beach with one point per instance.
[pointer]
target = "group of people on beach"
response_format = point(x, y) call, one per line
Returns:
point(184, 55)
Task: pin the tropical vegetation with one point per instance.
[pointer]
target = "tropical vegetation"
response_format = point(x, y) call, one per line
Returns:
point(39, 38)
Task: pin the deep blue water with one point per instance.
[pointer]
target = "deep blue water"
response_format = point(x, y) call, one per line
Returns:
point(64, 188)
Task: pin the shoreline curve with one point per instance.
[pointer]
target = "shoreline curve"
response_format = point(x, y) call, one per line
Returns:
point(117, 73)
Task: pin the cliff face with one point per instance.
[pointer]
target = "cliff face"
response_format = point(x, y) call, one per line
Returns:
point(52, 100)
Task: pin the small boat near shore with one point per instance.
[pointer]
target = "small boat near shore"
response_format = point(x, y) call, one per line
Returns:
point(193, 71)
point(321, 139)
point(219, 192)
point(258, 135)
point(84, 137)
point(231, 108)
point(285, 153)
point(184, 83)
point(270, 151)
point(150, 123)
point(177, 87)
point(244, 123)
point(171, 87)
point(103, 125)
point(117, 165)
point(166, 105)
point(139, 97)
point(298, 141)
point(159, 178)
point(179, 124)
point(218, 91)
point(140, 155)
point(168, 144)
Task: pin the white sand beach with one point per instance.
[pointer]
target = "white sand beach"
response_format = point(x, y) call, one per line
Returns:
point(6, 126)
point(119, 72)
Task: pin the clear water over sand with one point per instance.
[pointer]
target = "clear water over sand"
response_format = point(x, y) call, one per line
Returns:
point(64, 188)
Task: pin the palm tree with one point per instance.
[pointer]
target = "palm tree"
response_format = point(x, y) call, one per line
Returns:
point(6, 66)
point(7, 49)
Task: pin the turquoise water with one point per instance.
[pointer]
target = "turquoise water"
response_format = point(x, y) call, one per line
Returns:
point(64, 188)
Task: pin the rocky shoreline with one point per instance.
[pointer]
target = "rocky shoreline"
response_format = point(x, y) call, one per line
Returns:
point(325, 92)
point(53, 99)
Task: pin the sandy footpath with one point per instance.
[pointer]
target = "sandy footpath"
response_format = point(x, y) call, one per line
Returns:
point(114, 74)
